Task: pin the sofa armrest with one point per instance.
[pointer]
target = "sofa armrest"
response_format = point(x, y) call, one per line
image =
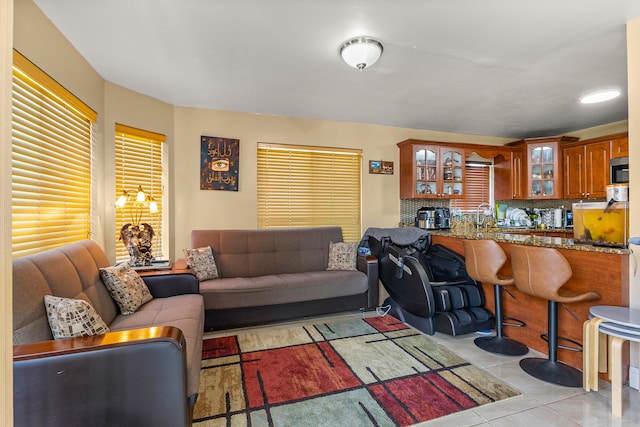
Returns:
point(369, 265)
point(104, 380)
point(165, 284)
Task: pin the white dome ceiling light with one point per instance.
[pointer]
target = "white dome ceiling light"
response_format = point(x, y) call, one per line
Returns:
point(599, 96)
point(361, 52)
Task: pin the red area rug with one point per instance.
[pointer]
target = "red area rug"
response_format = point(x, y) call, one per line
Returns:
point(362, 372)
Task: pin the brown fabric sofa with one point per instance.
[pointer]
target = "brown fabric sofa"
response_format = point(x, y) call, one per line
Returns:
point(279, 274)
point(146, 371)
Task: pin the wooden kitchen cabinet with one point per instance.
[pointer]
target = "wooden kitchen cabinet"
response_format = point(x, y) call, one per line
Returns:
point(544, 167)
point(508, 176)
point(586, 170)
point(619, 145)
point(431, 171)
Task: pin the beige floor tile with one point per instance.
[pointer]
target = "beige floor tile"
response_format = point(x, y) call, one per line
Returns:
point(536, 417)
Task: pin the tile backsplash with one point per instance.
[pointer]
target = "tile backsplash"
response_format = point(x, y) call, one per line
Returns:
point(409, 207)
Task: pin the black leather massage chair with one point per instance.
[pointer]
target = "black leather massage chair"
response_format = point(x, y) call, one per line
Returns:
point(429, 287)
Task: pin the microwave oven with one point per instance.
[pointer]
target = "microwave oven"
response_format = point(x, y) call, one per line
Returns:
point(619, 170)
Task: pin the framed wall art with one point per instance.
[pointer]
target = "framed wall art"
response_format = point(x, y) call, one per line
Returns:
point(380, 167)
point(219, 163)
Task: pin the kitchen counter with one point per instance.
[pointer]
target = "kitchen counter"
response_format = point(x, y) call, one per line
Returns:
point(525, 236)
point(599, 269)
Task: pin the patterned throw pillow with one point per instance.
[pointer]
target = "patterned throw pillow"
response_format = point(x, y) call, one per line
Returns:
point(343, 256)
point(126, 287)
point(69, 318)
point(202, 262)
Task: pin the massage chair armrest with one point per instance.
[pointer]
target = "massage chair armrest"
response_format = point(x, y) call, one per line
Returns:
point(125, 378)
point(368, 264)
point(178, 282)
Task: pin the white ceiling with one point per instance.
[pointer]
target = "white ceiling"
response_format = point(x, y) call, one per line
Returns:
point(509, 68)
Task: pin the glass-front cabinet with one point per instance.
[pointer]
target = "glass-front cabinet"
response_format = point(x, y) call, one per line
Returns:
point(428, 171)
point(544, 171)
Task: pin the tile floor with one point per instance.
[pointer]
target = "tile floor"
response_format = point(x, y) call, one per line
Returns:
point(540, 405)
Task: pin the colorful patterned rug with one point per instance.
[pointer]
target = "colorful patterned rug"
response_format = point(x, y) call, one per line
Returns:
point(363, 372)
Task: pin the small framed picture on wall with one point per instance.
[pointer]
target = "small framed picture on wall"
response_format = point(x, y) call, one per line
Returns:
point(380, 167)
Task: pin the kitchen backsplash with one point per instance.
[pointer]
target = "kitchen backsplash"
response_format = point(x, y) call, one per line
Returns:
point(409, 207)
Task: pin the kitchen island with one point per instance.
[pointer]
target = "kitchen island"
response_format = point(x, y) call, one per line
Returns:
point(603, 270)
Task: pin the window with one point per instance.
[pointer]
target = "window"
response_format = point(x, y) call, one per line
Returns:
point(52, 137)
point(477, 181)
point(300, 186)
point(140, 157)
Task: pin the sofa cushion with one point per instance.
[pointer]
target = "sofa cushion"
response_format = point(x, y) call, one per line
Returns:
point(182, 311)
point(69, 272)
point(201, 261)
point(342, 256)
point(253, 253)
point(126, 287)
point(69, 318)
point(281, 288)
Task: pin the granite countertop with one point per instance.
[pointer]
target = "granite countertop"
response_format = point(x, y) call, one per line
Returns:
point(520, 236)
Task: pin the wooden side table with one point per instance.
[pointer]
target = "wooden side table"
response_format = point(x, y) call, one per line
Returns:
point(619, 324)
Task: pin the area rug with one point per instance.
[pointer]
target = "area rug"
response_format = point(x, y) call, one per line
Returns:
point(360, 372)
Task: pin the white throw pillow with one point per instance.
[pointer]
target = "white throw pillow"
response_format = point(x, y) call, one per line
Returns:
point(201, 261)
point(343, 256)
point(126, 287)
point(69, 318)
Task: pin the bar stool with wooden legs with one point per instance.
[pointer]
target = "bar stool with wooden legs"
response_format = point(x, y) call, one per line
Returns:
point(541, 272)
point(483, 259)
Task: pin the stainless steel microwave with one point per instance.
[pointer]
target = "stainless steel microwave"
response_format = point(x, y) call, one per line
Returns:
point(619, 170)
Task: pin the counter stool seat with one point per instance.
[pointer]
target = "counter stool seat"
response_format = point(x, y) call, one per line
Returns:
point(541, 272)
point(483, 260)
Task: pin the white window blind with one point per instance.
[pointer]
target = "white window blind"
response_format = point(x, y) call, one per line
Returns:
point(302, 186)
point(139, 162)
point(51, 162)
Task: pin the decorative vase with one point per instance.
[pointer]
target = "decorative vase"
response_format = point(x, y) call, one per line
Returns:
point(137, 239)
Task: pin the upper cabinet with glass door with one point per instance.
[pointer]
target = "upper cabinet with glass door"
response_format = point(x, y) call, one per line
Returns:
point(544, 171)
point(452, 171)
point(430, 171)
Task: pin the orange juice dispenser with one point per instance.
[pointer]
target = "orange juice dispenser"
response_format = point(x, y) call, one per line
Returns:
point(601, 223)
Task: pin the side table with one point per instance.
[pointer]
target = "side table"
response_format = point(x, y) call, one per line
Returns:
point(619, 324)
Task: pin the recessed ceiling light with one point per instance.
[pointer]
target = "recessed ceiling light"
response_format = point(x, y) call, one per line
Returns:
point(599, 96)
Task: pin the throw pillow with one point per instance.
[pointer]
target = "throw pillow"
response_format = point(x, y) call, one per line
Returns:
point(343, 256)
point(69, 318)
point(201, 261)
point(126, 287)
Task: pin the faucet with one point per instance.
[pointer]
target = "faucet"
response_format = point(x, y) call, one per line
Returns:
point(481, 205)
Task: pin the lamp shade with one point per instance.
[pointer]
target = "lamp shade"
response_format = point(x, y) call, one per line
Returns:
point(361, 52)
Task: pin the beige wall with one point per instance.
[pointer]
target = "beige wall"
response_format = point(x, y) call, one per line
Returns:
point(195, 208)
point(633, 71)
point(132, 109)
point(6, 342)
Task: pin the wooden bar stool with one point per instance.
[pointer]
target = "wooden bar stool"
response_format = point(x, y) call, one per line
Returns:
point(483, 259)
point(541, 272)
point(618, 324)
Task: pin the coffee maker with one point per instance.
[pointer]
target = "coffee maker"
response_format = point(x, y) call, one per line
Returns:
point(443, 218)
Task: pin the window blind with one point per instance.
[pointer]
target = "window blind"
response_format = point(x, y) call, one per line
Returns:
point(303, 186)
point(139, 162)
point(477, 187)
point(52, 134)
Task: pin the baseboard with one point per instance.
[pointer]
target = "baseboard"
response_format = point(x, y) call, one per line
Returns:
point(634, 377)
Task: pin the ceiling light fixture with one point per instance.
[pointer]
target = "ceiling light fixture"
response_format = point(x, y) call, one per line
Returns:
point(599, 96)
point(361, 52)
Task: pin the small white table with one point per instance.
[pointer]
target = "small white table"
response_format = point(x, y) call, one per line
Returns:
point(620, 324)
